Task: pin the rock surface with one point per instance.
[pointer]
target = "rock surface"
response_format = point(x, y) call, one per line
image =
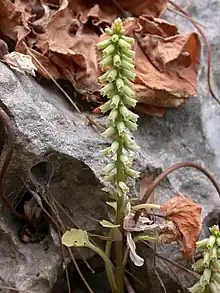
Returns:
point(48, 130)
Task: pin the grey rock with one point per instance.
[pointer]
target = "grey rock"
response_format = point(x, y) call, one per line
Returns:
point(49, 130)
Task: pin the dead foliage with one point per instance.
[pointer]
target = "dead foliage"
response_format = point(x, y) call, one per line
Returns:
point(187, 216)
point(62, 35)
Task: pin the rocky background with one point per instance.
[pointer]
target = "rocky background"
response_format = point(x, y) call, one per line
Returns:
point(57, 151)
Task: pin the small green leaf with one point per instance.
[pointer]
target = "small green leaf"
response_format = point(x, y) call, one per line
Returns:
point(76, 238)
point(112, 204)
point(108, 224)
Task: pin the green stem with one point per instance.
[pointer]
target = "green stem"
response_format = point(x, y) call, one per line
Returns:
point(119, 249)
point(109, 266)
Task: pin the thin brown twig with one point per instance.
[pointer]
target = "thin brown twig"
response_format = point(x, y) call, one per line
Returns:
point(169, 171)
point(160, 280)
point(209, 50)
point(66, 268)
point(128, 286)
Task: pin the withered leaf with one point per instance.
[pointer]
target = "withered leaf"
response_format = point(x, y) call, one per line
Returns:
point(187, 216)
point(166, 63)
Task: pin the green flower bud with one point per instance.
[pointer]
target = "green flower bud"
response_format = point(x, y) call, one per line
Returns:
point(202, 243)
point(133, 117)
point(108, 88)
point(112, 75)
point(216, 264)
point(123, 111)
point(126, 161)
point(120, 84)
point(129, 101)
point(218, 241)
point(118, 26)
point(132, 173)
point(213, 252)
point(115, 38)
point(113, 148)
point(104, 44)
point(129, 74)
point(105, 151)
point(107, 61)
point(130, 143)
point(116, 61)
point(112, 116)
point(110, 177)
point(109, 31)
point(109, 50)
point(103, 77)
point(205, 278)
point(109, 132)
point(128, 92)
point(115, 101)
point(197, 288)
point(123, 187)
point(123, 44)
point(218, 252)
point(131, 125)
point(199, 265)
point(128, 39)
point(211, 241)
point(105, 107)
point(215, 230)
point(216, 277)
point(213, 288)
point(121, 127)
point(127, 65)
point(108, 168)
point(206, 259)
point(128, 83)
point(127, 52)
point(126, 58)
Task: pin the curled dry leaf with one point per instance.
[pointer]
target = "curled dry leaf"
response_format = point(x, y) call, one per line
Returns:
point(187, 216)
point(166, 64)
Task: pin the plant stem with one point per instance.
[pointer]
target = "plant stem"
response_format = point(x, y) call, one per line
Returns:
point(109, 266)
point(119, 249)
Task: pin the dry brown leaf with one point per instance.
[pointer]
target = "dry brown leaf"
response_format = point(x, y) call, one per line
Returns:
point(166, 62)
point(187, 216)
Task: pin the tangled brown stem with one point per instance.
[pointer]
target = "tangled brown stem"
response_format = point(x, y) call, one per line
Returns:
point(169, 171)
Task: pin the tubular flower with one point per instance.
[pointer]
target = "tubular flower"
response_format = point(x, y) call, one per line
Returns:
point(117, 81)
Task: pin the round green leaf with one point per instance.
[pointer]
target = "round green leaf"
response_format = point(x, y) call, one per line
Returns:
point(75, 237)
